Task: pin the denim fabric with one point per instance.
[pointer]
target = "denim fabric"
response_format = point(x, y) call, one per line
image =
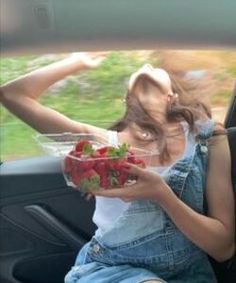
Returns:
point(143, 243)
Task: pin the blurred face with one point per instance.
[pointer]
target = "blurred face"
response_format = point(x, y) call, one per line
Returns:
point(158, 75)
point(152, 87)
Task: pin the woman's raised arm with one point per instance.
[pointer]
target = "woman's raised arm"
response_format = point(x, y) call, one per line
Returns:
point(20, 95)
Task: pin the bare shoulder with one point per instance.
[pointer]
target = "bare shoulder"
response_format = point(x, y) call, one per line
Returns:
point(219, 136)
point(219, 191)
point(219, 151)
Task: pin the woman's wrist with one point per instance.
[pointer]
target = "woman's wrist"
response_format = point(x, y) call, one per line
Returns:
point(165, 196)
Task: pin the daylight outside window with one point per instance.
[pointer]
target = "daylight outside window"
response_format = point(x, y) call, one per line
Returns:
point(79, 96)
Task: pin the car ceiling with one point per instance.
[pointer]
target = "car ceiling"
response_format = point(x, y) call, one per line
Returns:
point(38, 26)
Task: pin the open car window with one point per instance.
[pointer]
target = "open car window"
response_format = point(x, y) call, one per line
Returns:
point(79, 95)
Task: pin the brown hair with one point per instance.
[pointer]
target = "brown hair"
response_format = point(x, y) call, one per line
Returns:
point(186, 107)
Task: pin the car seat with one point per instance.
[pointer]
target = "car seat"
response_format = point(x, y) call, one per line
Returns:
point(226, 271)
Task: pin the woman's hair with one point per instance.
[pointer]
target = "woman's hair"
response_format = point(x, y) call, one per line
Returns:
point(187, 106)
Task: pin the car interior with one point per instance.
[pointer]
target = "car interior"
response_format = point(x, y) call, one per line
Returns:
point(44, 223)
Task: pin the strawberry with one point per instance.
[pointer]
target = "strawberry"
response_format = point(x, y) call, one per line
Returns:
point(69, 162)
point(139, 163)
point(75, 176)
point(89, 181)
point(100, 167)
point(122, 177)
point(84, 147)
point(85, 164)
point(120, 163)
point(103, 150)
point(104, 181)
point(111, 164)
point(96, 155)
point(80, 144)
point(116, 163)
point(130, 156)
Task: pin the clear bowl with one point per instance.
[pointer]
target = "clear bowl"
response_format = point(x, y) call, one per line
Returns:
point(75, 167)
point(106, 171)
point(60, 145)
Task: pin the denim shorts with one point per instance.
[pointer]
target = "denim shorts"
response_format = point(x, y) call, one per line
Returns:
point(101, 273)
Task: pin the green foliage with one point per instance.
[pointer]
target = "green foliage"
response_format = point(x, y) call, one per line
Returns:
point(12, 68)
point(221, 98)
point(17, 141)
point(232, 71)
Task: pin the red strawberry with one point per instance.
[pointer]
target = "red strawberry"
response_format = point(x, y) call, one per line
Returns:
point(100, 167)
point(89, 181)
point(69, 162)
point(96, 154)
point(104, 181)
point(120, 163)
point(75, 176)
point(111, 163)
point(84, 146)
point(103, 150)
point(80, 144)
point(130, 156)
point(122, 177)
point(85, 164)
point(140, 163)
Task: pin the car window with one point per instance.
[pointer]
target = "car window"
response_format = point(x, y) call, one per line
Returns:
point(83, 95)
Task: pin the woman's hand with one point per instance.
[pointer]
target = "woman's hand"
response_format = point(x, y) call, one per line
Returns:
point(89, 60)
point(149, 185)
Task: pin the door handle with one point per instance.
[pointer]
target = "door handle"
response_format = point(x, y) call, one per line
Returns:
point(55, 226)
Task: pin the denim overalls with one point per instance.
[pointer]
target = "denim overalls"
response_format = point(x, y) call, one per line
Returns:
point(144, 244)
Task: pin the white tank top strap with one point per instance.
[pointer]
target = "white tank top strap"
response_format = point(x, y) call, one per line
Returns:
point(113, 138)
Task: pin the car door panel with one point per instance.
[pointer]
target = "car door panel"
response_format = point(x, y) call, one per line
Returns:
point(43, 222)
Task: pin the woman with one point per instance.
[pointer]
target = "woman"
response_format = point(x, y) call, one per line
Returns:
point(156, 230)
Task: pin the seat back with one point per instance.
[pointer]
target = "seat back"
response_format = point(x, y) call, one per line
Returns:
point(230, 119)
point(226, 271)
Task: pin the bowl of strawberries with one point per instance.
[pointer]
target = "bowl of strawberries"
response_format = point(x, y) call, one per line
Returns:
point(89, 163)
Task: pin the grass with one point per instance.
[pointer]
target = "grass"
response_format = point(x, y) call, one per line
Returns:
point(96, 96)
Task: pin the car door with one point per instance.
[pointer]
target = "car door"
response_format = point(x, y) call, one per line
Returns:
point(43, 223)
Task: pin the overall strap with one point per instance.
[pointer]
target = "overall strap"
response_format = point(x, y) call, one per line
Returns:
point(176, 176)
point(205, 131)
point(205, 128)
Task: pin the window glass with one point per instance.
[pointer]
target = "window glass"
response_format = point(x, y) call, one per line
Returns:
point(82, 96)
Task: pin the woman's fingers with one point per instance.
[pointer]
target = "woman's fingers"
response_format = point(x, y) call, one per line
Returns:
point(135, 170)
point(101, 54)
point(128, 192)
point(90, 60)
